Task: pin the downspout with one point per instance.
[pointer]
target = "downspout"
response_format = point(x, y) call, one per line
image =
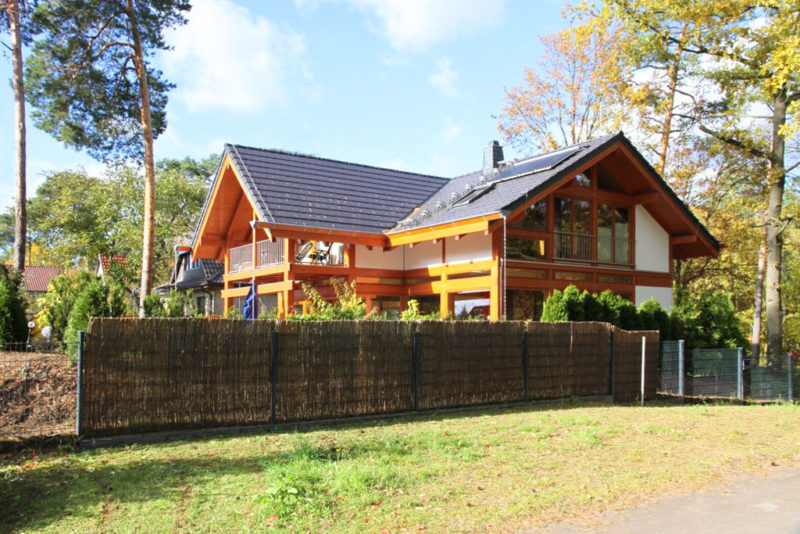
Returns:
point(504, 310)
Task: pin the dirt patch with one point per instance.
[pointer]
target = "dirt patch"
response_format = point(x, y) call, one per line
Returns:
point(37, 395)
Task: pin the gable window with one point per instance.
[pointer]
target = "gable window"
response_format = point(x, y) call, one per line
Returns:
point(534, 218)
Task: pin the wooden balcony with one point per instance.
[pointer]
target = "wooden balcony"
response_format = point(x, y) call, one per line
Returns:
point(593, 249)
point(268, 253)
point(271, 254)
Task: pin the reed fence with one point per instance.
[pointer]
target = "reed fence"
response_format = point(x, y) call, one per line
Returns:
point(142, 375)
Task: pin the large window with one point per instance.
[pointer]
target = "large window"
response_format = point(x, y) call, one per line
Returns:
point(613, 234)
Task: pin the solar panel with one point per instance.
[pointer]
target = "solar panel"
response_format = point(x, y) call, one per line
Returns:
point(538, 164)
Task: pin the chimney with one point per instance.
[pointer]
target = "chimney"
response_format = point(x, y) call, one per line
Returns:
point(492, 156)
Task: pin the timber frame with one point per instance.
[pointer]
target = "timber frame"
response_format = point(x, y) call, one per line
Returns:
point(235, 222)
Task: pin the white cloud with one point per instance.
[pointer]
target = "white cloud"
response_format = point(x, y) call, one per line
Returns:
point(227, 58)
point(450, 131)
point(445, 78)
point(416, 25)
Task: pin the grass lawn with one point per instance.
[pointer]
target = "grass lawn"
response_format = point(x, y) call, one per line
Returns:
point(484, 471)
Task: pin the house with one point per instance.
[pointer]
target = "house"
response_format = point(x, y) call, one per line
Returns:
point(108, 263)
point(202, 277)
point(37, 280)
point(500, 239)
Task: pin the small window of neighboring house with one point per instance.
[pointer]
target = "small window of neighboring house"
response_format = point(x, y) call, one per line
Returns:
point(474, 195)
point(201, 305)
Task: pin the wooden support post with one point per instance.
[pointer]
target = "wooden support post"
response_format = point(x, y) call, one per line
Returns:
point(254, 238)
point(288, 295)
point(494, 290)
point(444, 307)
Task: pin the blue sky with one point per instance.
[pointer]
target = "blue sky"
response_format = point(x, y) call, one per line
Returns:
point(406, 84)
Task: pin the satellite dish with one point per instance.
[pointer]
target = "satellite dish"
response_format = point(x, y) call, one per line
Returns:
point(31, 324)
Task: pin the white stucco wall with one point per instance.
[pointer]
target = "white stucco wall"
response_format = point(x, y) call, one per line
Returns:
point(652, 244)
point(421, 255)
point(471, 247)
point(378, 259)
point(663, 295)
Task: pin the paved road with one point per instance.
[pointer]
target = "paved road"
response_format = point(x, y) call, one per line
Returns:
point(758, 505)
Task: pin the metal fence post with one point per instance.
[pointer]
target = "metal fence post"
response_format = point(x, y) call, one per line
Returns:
point(415, 349)
point(791, 377)
point(273, 375)
point(525, 365)
point(611, 362)
point(740, 373)
point(681, 368)
point(79, 374)
point(644, 359)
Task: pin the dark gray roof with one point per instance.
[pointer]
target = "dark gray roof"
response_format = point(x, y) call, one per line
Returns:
point(511, 185)
point(515, 183)
point(313, 192)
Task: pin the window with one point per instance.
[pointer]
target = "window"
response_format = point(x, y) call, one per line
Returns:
point(525, 249)
point(581, 180)
point(474, 194)
point(522, 305)
point(200, 303)
point(613, 234)
point(535, 218)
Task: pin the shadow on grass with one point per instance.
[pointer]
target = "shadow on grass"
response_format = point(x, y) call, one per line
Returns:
point(77, 487)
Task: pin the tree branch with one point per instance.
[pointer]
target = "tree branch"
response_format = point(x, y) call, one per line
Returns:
point(733, 142)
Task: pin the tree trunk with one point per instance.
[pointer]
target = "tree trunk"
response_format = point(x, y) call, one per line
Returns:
point(20, 211)
point(759, 296)
point(775, 226)
point(148, 231)
point(672, 87)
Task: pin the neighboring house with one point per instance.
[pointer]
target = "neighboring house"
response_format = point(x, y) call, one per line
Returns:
point(203, 277)
point(37, 280)
point(104, 263)
point(501, 239)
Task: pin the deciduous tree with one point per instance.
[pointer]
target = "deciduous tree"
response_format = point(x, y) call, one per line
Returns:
point(575, 92)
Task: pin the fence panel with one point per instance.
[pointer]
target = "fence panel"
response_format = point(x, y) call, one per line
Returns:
point(163, 374)
point(549, 375)
point(590, 359)
point(628, 364)
point(712, 373)
point(669, 367)
point(465, 363)
point(769, 380)
point(343, 369)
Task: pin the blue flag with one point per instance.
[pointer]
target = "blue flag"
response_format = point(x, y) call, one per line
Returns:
point(250, 309)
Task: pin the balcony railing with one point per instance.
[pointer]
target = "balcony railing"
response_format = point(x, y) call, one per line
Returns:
point(592, 248)
point(267, 253)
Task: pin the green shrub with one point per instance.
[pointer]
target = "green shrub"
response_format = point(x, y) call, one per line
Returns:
point(153, 306)
point(555, 309)
point(413, 313)
point(13, 322)
point(92, 302)
point(347, 306)
point(651, 316)
point(707, 320)
point(179, 304)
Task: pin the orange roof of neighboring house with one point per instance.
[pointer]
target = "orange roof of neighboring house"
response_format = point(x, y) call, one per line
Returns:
point(37, 277)
point(105, 261)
